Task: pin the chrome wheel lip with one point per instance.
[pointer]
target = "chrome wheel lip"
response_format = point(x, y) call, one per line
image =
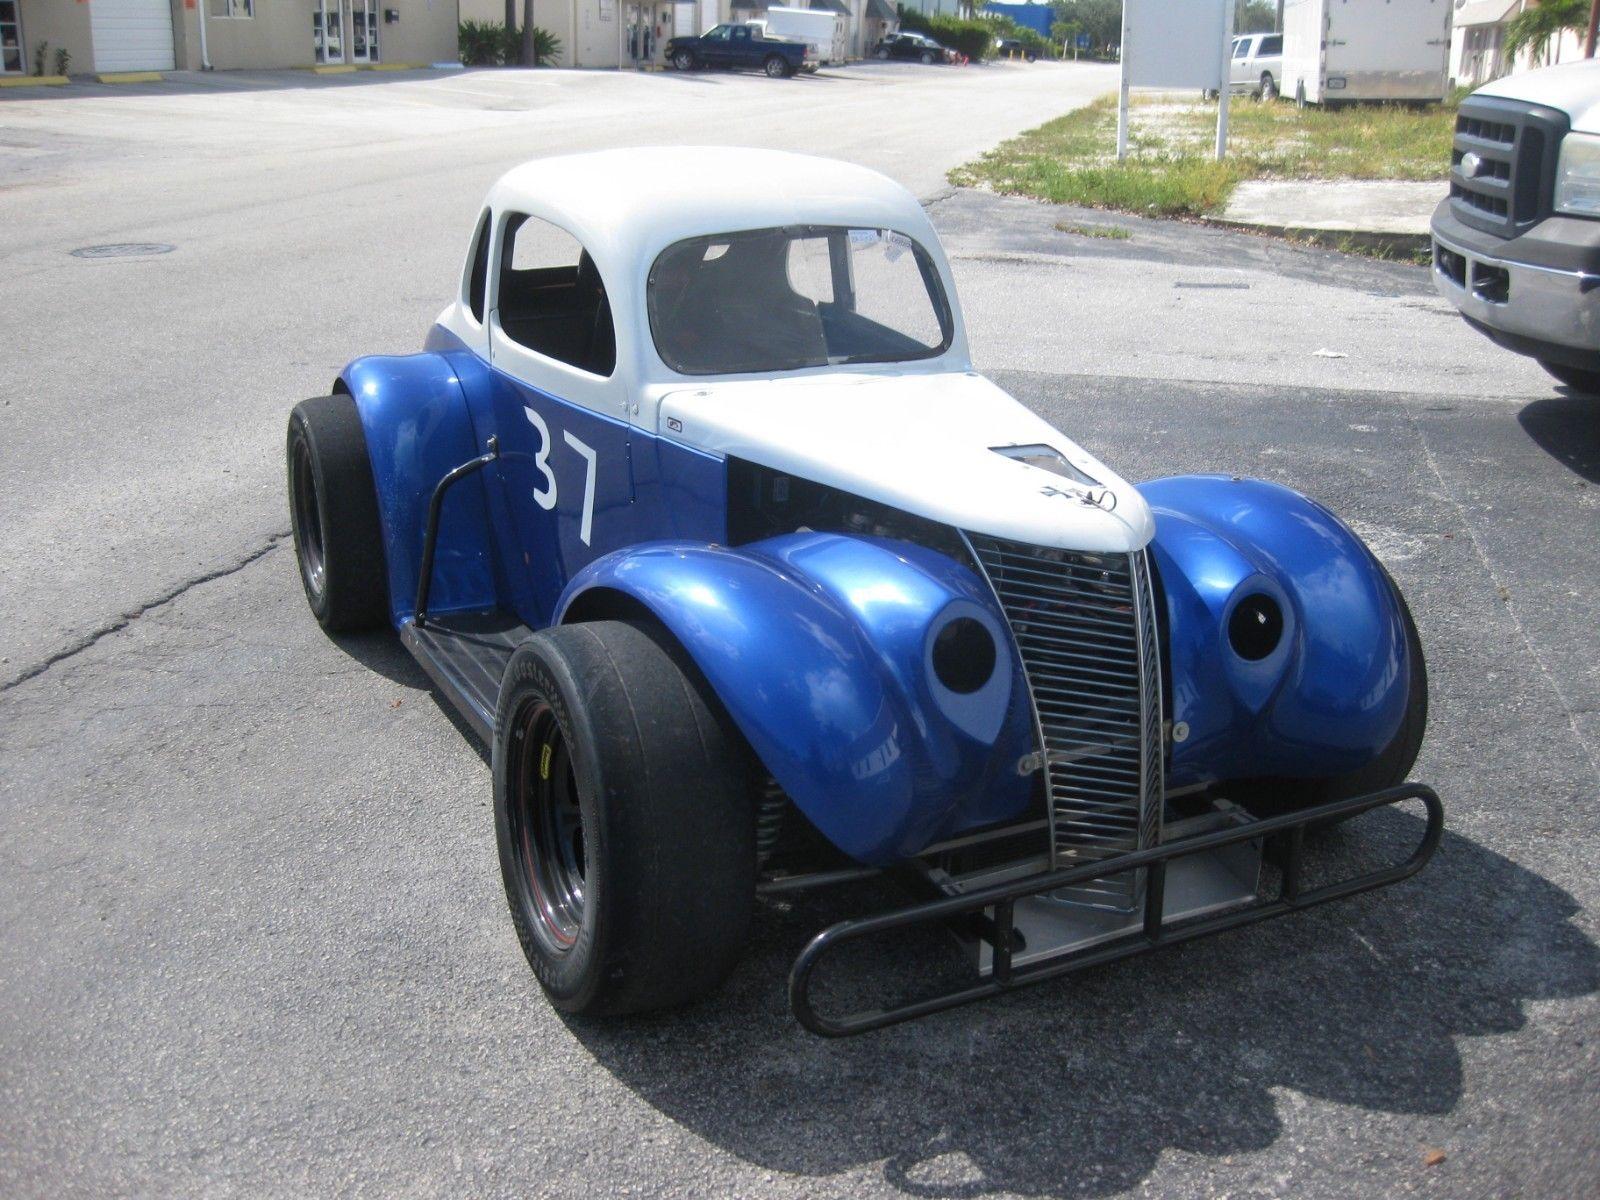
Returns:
point(547, 828)
point(308, 521)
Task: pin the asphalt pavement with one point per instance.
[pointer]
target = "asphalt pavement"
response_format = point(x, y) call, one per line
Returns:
point(253, 938)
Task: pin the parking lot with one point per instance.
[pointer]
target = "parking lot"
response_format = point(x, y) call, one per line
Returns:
point(254, 936)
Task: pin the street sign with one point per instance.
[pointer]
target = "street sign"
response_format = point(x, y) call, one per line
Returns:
point(1171, 45)
point(1083, 41)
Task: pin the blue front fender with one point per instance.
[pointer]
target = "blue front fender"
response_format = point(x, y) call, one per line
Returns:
point(818, 645)
point(418, 428)
point(1333, 694)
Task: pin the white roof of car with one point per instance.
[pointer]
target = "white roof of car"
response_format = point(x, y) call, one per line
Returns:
point(627, 205)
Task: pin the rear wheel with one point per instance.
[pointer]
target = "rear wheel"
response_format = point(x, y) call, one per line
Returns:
point(1576, 378)
point(775, 67)
point(333, 514)
point(1269, 87)
point(927, 57)
point(883, 54)
point(683, 60)
point(624, 820)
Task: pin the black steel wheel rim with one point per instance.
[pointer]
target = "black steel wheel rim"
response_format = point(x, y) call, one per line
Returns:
point(308, 520)
point(547, 827)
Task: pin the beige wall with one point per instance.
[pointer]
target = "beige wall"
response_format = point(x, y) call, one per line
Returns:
point(62, 23)
point(553, 16)
point(280, 35)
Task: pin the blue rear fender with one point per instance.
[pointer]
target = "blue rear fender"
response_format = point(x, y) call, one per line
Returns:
point(1333, 693)
point(818, 646)
point(417, 426)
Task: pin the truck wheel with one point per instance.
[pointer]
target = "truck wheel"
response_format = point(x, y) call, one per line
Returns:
point(1269, 797)
point(624, 820)
point(1576, 378)
point(333, 513)
point(683, 60)
point(1269, 87)
point(927, 58)
point(775, 67)
point(883, 55)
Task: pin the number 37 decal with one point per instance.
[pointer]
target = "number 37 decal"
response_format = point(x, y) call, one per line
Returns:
point(545, 496)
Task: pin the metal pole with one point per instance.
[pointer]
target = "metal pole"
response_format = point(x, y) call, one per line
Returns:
point(1224, 88)
point(1122, 91)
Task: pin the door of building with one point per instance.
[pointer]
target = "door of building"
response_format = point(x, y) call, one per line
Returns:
point(327, 31)
point(131, 35)
point(363, 30)
point(13, 58)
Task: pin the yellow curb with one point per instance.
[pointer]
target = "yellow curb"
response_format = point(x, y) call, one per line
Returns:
point(32, 80)
point(345, 69)
point(131, 77)
point(397, 67)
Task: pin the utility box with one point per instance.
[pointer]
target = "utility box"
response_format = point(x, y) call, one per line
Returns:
point(1336, 51)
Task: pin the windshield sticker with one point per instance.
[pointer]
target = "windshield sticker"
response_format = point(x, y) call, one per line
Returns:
point(865, 237)
point(899, 243)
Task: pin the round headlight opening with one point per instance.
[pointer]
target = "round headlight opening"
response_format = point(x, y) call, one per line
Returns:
point(1256, 627)
point(963, 655)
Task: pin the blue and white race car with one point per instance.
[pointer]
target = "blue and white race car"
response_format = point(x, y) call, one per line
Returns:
point(695, 508)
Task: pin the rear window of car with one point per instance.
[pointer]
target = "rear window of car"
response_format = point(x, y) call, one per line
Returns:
point(1271, 45)
point(789, 298)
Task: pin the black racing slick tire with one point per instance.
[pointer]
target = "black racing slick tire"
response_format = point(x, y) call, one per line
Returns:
point(1390, 768)
point(624, 818)
point(333, 514)
point(1584, 382)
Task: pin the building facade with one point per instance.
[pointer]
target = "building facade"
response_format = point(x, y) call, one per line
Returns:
point(1477, 43)
point(163, 35)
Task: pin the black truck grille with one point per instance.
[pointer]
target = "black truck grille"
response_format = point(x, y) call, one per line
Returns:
point(1085, 629)
point(1504, 188)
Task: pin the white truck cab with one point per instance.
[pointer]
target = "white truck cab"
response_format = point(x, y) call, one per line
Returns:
point(1255, 65)
point(1516, 244)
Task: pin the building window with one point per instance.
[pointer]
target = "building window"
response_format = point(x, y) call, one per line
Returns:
point(233, 8)
point(12, 61)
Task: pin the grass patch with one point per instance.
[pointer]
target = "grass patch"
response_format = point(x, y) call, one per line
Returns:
point(1114, 232)
point(1169, 171)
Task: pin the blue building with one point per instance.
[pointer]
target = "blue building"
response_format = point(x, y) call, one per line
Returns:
point(1037, 17)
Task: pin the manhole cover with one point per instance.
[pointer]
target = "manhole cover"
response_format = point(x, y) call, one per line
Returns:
point(123, 250)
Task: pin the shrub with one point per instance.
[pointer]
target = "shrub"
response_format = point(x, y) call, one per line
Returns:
point(975, 39)
point(62, 61)
point(491, 44)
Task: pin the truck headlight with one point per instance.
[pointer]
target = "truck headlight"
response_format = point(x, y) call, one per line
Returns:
point(1578, 175)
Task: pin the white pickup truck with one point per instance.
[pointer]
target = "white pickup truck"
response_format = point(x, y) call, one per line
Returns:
point(1516, 244)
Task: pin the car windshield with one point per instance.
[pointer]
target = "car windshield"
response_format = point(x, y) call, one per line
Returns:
point(797, 297)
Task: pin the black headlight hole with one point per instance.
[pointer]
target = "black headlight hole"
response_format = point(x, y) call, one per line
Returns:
point(1256, 627)
point(963, 655)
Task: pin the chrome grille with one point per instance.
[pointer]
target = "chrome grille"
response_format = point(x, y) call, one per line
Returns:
point(1085, 629)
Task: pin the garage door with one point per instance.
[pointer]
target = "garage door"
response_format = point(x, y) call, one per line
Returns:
point(131, 35)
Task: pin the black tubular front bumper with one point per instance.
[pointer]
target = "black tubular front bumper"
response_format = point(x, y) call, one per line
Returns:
point(1000, 898)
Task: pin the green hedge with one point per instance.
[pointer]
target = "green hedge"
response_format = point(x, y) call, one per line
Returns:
point(975, 39)
point(491, 44)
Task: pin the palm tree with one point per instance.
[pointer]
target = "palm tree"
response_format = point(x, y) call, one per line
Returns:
point(1538, 26)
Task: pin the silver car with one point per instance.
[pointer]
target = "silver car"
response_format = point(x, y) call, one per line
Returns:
point(1256, 65)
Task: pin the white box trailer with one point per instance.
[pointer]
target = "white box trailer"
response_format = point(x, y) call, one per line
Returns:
point(827, 32)
point(1344, 50)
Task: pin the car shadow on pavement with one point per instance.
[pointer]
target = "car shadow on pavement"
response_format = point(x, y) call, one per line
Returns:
point(1568, 429)
point(1076, 1088)
point(381, 652)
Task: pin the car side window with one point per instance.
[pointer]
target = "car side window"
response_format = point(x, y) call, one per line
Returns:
point(719, 34)
point(742, 34)
point(552, 299)
point(1271, 45)
point(1241, 48)
point(478, 276)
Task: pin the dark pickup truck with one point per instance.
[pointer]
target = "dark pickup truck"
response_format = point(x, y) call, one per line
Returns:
point(740, 48)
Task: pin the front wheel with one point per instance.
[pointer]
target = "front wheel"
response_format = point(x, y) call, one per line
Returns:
point(1269, 87)
point(683, 60)
point(333, 514)
point(1579, 380)
point(776, 68)
point(623, 817)
point(883, 55)
point(927, 58)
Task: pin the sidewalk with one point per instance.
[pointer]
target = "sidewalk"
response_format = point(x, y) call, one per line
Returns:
point(1390, 213)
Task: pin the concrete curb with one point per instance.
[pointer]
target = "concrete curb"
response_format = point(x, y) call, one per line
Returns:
point(1368, 239)
point(22, 81)
point(131, 77)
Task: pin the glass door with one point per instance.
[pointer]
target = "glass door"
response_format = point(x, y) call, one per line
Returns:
point(364, 31)
point(327, 31)
point(11, 47)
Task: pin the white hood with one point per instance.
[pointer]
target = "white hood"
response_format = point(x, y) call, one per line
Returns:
point(1572, 87)
point(922, 443)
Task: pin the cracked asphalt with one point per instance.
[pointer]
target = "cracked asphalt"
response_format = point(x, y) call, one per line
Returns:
point(252, 940)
